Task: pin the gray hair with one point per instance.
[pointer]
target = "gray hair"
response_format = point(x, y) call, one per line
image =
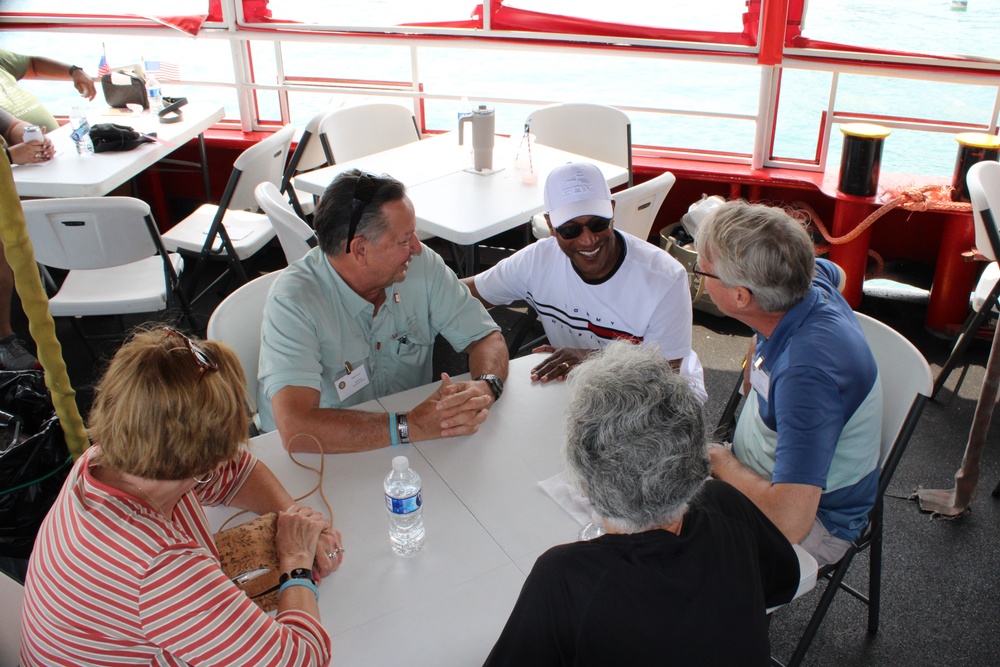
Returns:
point(635, 437)
point(762, 248)
point(333, 214)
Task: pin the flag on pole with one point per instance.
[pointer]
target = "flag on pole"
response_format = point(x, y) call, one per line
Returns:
point(102, 67)
point(163, 70)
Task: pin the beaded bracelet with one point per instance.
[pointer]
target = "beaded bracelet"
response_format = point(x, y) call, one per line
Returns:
point(299, 582)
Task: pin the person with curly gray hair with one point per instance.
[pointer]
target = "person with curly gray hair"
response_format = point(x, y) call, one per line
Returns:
point(678, 550)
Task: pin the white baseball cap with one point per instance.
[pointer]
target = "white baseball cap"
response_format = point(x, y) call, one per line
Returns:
point(575, 189)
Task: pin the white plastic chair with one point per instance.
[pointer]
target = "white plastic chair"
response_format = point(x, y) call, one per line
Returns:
point(311, 152)
point(12, 594)
point(231, 230)
point(294, 234)
point(357, 131)
point(237, 322)
point(593, 130)
point(983, 180)
point(636, 207)
point(906, 388)
point(114, 254)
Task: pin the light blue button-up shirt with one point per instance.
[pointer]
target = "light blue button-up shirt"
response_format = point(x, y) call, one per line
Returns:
point(315, 327)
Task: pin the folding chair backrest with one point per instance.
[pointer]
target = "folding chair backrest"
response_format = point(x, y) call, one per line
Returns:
point(593, 130)
point(310, 153)
point(12, 594)
point(294, 234)
point(353, 132)
point(906, 386)
point(983, 180)
point(264, 161)
point(237, 322)
point(636, 207)
point(90, 232)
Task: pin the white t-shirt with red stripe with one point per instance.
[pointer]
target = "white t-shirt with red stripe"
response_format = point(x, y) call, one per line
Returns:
point(111, 581)
point(646, 299)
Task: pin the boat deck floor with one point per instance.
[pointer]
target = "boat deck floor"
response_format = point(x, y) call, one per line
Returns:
point(941, 579)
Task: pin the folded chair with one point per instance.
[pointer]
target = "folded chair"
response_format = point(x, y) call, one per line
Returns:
point(113, 252)
point(233, 231)
point(983, 180)
point(311, 152)
point(906, 388)
point(237, 322)
point(294, 234)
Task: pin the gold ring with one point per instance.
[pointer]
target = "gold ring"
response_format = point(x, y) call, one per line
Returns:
point(565, 364)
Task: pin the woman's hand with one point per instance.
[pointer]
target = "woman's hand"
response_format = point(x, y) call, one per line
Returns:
point(329, 553)
point(31, 152)
point(298, 534)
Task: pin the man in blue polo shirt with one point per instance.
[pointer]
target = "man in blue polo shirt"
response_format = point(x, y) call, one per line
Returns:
point(806, 448)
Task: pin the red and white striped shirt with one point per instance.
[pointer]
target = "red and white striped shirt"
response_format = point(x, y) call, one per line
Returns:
point(113, 582)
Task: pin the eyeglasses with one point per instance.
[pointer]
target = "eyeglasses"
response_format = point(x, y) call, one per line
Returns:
point(704, 274)
point(596, 226)
point(201, 357)
point(364, 190)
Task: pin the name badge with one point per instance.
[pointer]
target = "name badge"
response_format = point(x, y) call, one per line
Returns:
point(760, 380)
point(354, 381)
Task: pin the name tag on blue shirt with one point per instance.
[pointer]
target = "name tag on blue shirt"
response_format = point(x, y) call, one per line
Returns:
point(352, 382)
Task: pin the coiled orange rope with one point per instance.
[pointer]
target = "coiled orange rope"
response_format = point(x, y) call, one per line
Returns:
point(927, 197)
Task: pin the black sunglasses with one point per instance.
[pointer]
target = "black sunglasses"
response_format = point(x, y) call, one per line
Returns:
point(596, 226)
point(201, 357)
point(364, 191)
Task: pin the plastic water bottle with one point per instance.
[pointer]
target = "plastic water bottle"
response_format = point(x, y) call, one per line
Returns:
point(154, 93)
point(403, 504)
point(81, 132)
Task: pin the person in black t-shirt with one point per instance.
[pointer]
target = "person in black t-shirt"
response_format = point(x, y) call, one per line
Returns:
point(687, 567)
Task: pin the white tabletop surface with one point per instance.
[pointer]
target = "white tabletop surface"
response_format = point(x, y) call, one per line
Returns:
point(71, 175)
point(486, 517)
point(486, 521)
point(450, 201)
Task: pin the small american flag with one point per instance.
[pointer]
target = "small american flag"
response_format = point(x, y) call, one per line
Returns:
point(102, 67)
point(164, 71)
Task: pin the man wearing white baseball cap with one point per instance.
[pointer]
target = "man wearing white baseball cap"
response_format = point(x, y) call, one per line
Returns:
point(591, 284)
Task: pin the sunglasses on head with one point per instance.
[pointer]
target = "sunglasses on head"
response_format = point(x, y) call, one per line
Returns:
point(201, 357)
point(364, 191)
point(596, 226)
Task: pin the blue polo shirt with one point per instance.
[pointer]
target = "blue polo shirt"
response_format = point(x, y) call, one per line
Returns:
point(821, 422)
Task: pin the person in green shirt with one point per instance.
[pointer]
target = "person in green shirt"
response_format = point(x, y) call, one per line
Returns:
point(23, 104)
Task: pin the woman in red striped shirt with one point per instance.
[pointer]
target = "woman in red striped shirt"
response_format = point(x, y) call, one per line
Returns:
point(124, 569)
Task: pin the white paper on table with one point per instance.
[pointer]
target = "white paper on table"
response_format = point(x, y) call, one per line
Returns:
point(568, 497)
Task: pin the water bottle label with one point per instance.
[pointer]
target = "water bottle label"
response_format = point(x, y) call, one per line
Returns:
point(81, 130)
point(404, 505)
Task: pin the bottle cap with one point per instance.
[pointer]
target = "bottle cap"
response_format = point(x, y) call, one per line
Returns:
point(400, 463)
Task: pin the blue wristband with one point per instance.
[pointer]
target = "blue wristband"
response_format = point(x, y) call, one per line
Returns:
point(299, 582)
point(393, 430)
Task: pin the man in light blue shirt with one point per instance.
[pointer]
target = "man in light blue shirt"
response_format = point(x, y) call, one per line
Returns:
point(356, 318)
